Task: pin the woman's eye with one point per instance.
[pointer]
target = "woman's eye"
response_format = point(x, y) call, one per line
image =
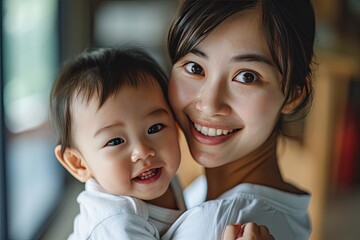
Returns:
point(115, 141)
point(194, 68)
point(247, 77)
point(155, 128)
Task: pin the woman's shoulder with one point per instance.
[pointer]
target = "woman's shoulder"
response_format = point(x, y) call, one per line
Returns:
point(284, 213)
point(280, 200)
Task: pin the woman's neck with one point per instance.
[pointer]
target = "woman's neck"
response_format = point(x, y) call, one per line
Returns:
point(259, 167)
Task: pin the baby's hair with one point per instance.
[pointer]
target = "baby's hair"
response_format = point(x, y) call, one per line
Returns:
point(99, 73)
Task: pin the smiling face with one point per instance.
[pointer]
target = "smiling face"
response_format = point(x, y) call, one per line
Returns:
point(226, 92)
point(129, 145)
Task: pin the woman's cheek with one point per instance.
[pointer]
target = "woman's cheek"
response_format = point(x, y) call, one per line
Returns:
point(268, 109)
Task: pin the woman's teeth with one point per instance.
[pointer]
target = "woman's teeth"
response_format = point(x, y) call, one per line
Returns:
point(212, 132)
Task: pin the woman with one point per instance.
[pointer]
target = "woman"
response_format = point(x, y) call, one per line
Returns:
point(241, 70)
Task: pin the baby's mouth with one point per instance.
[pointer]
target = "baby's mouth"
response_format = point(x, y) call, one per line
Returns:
point(213, 132)
point(147, 174)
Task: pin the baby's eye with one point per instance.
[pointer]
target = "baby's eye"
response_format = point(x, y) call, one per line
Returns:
point(156, 128)
point(247, 77)
point(115, 141)
point(194, 68)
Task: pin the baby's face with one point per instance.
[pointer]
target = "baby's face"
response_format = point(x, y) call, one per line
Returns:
point(130, 144)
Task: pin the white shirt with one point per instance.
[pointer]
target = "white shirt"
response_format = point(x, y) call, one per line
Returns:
point(285, 214)
point(106, 216)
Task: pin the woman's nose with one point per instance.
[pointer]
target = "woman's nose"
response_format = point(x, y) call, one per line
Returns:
point(141, 152)
point(212, 99)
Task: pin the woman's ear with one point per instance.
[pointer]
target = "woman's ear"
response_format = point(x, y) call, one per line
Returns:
point(293, 101)
point(73, 161)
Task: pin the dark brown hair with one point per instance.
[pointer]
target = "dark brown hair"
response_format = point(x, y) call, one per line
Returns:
point(99, 73)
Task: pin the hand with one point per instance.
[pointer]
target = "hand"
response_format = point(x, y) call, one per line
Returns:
point(248, 231)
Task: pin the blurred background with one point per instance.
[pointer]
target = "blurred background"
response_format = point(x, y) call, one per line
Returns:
point(38, 198)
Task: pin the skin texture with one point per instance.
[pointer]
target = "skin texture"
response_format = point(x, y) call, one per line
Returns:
point(229, 82)
point(132, 134)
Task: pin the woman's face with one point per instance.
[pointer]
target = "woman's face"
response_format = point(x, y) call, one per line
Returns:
point(226, 92)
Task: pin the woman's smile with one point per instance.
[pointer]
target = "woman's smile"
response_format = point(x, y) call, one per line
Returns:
point(212, 132)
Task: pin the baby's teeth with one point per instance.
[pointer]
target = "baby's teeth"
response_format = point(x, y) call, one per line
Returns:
point(218, 132)
point(147, 174)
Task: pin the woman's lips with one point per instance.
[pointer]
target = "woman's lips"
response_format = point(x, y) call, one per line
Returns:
point(209, 135)
point(212, 132)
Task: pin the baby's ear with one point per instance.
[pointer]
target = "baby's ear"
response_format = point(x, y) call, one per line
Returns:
point(73, 161)
point(293, 101)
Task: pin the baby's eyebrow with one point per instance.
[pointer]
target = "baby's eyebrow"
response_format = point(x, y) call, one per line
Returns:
point(158, 112)
point(107, 127)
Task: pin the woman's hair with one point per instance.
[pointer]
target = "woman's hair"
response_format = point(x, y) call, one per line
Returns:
point(288, 25)
point(100, 73)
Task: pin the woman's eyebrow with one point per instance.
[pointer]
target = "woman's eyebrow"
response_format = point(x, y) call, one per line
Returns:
point(251, 57)
point(199, 53)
